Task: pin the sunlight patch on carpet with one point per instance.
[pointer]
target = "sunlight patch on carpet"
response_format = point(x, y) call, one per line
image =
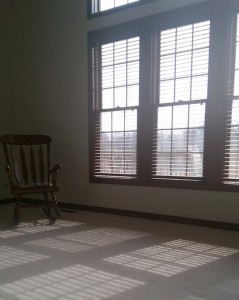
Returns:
point(37, 226)
point(5, 234)
point(172, 258)
point(76, 282)
point(60, 245)
point(104, 236)
point(10, 257)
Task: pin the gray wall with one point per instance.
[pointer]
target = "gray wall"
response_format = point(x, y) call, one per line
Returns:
point(49, 92)
point(6, 76)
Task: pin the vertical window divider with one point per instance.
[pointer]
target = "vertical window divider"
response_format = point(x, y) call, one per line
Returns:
point(174, 98)
point(154, 94)
point(215, 123)
point(146, 108)
point(189, 105)
point(92, 105)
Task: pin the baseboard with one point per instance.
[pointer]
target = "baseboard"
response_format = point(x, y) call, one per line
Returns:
point(152, 216)
point(144, 215)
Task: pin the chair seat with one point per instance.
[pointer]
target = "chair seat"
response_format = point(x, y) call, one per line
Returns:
point(34, 188)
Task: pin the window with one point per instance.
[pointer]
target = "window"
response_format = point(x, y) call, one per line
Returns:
point(231, 162)
point(99, 7)
point(116, 141)
point(154, 107)
point(103, 5)
point(183, 79)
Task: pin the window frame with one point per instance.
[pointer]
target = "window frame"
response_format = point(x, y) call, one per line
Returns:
point(120, 8)
point(187, 103)
point(233, 51)
point(118, 155)
point(166, 20)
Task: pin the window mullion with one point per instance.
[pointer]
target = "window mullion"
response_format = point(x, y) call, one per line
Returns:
point(216, 108)
point(145, 113)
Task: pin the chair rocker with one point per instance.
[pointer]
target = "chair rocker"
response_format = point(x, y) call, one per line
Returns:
point(29, 172)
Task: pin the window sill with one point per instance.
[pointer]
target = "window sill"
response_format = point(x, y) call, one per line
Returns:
point(172, 184)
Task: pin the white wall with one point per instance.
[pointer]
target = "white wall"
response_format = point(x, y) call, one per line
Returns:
point(50, 96)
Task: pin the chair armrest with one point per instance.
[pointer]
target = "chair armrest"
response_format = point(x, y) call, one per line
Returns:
point(55, 168)
point(53, 173)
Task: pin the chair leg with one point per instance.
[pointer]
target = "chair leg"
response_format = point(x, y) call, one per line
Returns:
point(55, 204)
point(47, 209)
point(17, 209)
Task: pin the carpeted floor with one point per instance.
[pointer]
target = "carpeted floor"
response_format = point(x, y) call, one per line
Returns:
point(87, 255)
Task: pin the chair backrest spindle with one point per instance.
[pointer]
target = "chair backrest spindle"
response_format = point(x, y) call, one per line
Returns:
point(24, 165)
point(33, 164)
point(15, 166)
point(41, 164)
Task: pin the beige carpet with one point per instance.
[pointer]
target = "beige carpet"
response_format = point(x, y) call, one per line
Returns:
point(88, 255)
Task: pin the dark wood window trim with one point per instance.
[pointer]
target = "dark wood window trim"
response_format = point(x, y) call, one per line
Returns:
point(214, 141)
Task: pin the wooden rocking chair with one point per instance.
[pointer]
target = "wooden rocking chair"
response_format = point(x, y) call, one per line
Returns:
point(29, 172)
